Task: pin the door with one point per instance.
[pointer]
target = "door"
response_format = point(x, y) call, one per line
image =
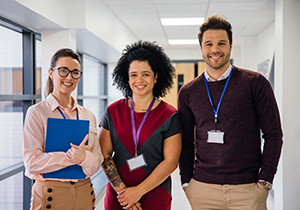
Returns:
point(185, 72)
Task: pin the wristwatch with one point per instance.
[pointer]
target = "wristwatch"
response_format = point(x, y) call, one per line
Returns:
point(266, 184)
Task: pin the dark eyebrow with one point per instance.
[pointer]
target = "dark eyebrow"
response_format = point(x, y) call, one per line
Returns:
point(68, 68)
point(146, 71)
point(206, 42)
point(224, 40)
point(131, 72)
point(63, 67)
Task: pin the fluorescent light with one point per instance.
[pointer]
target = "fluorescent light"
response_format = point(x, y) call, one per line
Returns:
point(181, 21)
point(183, 41)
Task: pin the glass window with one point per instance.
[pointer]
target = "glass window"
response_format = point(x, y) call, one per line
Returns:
point(15, 44)
point(11, 133)
point(93, 73)
point(96, 106)
point(11, 62)
point(11, 192)
point(94, 98)
point(93, 86)
point(180, 81)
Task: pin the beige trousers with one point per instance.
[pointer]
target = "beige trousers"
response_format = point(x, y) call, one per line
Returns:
point(56, 195)
point(204, 196)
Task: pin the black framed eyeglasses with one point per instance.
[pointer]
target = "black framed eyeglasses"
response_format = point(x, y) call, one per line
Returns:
point(64, 72)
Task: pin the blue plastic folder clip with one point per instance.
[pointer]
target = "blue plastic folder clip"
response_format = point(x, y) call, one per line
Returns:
point(60, 133)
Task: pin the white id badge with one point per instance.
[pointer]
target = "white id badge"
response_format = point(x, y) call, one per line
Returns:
point(136, 162)
point(215, 137)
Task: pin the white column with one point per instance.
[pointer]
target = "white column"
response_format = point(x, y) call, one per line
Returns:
point(287, 86)
point(53, 40)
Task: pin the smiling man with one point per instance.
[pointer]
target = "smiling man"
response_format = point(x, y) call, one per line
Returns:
point(224, 111)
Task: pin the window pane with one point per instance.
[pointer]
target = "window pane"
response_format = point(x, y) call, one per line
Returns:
point(180, 81)
point(99, 180)
point(11, 133)
point(93, 73)
point(11, 192)
point(38, 66)
point(11, 64)
point(96, 106)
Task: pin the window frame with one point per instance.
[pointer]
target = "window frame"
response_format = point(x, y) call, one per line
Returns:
point(80, 97)
point(29, 96)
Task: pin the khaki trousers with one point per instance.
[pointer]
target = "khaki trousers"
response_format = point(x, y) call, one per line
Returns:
point(56, 195)
point(204, 196)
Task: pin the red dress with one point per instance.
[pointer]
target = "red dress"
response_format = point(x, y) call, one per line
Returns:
point(162, 123)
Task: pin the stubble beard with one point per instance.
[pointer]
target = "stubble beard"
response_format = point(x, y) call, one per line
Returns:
point(216, 66)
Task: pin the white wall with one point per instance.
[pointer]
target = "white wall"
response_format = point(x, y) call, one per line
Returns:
point(236, 55)
point(287, 85)
point(257, 48)
point(249, 52)
point(266, 44)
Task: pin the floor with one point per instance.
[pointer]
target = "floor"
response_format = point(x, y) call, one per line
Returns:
point(180, 201)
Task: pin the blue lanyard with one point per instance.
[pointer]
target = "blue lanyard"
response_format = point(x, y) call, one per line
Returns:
point(62, 114)
point(209, 96)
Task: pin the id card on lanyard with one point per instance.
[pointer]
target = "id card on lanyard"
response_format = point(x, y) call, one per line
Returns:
point(137, 161)
point(216, 136)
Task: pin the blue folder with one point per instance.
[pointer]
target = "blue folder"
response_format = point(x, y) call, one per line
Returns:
point(60, 133)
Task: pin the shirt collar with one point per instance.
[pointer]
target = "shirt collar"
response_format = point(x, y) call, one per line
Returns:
point(53, 103)
point(224, 75)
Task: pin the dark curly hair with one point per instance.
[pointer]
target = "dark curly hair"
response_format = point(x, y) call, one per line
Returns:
point(215, 21)
point(158, 60)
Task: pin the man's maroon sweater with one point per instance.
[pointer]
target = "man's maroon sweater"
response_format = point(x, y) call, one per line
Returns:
point(248, 107)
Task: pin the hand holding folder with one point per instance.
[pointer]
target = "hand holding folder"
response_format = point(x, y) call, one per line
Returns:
point(83, 144)
point(60, 134)
point(76, 154)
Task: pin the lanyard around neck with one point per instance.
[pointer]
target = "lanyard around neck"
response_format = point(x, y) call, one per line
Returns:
point(209, 96)
point(136, 135)
point(62, 114)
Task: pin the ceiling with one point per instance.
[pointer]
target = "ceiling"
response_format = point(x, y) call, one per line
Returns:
point(142, 17)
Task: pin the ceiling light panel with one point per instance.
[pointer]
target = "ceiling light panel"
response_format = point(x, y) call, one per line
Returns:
point(183, 41)
point(181, 21)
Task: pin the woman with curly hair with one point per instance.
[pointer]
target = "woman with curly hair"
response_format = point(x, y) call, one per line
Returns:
point(140, 135)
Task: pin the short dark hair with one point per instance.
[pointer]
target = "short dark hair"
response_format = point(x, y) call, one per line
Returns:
point(215, 21)
point(64, 52)
point(158, 60)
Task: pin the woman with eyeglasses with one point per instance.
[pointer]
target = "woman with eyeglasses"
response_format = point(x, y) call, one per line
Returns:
point(140, 135)
point(60, 193)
